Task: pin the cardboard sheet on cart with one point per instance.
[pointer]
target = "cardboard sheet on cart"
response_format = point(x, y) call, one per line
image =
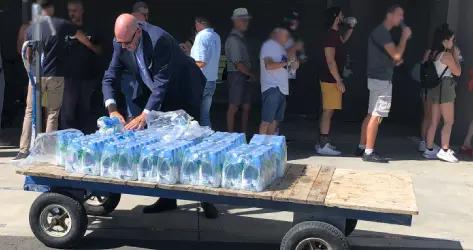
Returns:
point(376, 191)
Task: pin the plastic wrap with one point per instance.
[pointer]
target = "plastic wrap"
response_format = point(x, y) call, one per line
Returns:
point(157, 119)
point(50, 148)
point(109, 125)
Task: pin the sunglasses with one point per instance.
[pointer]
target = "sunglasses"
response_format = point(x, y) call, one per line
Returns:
point(131, 40)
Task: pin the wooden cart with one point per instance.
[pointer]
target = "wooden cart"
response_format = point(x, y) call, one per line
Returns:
point(326, 202)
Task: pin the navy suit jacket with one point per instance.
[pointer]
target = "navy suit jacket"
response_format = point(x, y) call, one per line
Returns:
point(173, 80)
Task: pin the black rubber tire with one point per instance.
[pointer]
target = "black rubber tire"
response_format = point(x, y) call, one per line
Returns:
point(107, 207)
point(315, 229)
point(77, 214)
point(350, 226)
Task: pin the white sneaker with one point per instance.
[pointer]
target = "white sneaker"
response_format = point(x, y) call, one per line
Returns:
point(430, 154)
point(331, 146)
point(421, 147)
point(327, 150)
point(448, 156)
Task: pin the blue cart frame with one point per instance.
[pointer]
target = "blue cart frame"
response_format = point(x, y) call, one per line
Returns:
point(339, 218)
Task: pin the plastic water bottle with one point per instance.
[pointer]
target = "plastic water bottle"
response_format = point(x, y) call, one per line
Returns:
point(90, 160)
point(73, 156)
point(209, 169)
point(190, 167)
point(109, 160)
point(168, 171)
point(147, 168)
point(278, 143)
point(64, 138)
point(233, 166)
point(127, 163)
point(255, 173)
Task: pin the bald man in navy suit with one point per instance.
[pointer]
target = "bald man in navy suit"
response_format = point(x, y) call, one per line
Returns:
point(166, 80)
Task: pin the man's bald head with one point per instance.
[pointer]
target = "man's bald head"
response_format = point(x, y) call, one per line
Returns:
point(127, 31)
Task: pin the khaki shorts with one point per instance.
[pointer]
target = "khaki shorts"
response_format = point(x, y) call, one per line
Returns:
point(331, 96)
point(380, 97)
point(444, 92)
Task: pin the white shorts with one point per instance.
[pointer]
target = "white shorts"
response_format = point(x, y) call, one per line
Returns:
point(380, 97)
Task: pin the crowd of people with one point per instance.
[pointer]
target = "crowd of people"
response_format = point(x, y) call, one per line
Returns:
point(155, 72)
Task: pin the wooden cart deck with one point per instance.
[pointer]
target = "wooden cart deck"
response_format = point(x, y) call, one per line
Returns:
point(374, 191)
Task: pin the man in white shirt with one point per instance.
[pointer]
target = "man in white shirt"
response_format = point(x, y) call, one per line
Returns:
point(274, 80)
point(206, 53)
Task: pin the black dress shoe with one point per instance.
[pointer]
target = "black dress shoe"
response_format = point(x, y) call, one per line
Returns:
point(163, 204)
point(21, 156)
point(373, 157)
point(210, 210)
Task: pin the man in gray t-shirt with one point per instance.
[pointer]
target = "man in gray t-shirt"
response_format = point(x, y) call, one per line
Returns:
point(380, 63)
point(239, 70)
point(383, 56)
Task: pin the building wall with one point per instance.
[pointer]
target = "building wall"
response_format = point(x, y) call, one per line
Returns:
point(176, 16)
point(460, 19)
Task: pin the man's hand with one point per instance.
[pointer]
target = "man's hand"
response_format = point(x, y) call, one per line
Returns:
point(398, 63)
point(118, 115)
point(406, 33)
point(137, 123)
point(341, 86)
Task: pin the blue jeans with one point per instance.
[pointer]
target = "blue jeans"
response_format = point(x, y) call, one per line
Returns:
point(126, 85)
point(209, 91)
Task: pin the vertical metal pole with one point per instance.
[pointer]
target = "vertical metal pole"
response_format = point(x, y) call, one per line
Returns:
point(36, 16)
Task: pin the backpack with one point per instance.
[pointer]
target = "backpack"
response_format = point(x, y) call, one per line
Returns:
point(429, 77)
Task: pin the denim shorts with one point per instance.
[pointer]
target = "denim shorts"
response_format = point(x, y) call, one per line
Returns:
point(274, 105)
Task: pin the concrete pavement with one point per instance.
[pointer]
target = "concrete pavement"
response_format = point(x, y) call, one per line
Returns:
point(444, 194)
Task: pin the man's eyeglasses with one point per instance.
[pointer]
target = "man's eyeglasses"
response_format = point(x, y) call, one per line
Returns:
point(129, 42)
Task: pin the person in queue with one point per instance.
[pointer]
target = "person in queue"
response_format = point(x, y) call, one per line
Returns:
point(239, 69)
point(383, 56)
point(53, 35)
point(446, 57)
point(331, 81)
point(82, 74)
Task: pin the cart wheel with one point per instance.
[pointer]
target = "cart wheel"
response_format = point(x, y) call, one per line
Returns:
point(57, 220)
point(101, 205)
point(350, 226)
point(310, 235)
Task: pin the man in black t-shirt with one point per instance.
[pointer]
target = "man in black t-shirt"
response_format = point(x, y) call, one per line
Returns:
point(331, 81)
point(82, 72)
point(53, 64)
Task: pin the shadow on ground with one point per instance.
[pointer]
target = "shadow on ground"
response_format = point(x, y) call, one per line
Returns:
point(231, 231)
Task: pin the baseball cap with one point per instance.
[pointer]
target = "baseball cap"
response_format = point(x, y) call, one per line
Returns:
point(241, 13)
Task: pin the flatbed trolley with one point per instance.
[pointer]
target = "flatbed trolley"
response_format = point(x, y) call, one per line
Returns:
point(327, 202)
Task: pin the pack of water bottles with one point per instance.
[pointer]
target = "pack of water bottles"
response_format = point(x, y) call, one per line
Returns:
point(84, 153)
point(174, 149)
point(249, 167)
point(278, 143)
point(203, 163)
point(161, 162)
point(51, 147)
